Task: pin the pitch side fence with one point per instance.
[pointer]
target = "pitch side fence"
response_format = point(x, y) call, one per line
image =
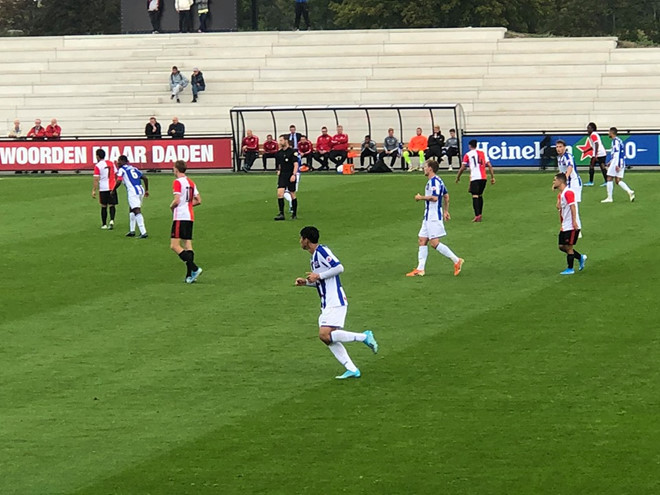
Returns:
point(357, 120)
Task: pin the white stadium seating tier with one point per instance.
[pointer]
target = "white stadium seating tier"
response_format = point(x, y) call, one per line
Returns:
point(111, 85)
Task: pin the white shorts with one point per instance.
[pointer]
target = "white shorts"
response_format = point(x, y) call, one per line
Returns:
point(577, 190)
point(333, 317)
point(134, 200)
point(612, 172)
point(432, 229)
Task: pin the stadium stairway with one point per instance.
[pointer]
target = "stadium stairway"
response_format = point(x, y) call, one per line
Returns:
point(111, 85)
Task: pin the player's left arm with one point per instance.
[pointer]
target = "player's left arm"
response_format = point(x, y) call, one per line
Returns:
point(197, 200)
point(175, 202)
point(117, 183)
point(491, 171)
point(574, 216)
point(146, 186)
point(445, 197)
point(332, 272)
point(95, 186)
point(295, 167)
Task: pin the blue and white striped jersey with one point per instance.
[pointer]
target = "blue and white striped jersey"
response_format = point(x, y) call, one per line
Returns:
point(617, 153)
point(330, 290)
point(563, 162)
point(434, 187)
point(131, 177)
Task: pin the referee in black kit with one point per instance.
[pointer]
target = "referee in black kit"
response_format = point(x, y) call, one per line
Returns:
point(286, 164)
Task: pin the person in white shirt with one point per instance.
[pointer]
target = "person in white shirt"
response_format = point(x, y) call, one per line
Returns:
point(105, 178)
point(598, 155)
point(184, 8)
point(325, 278)
point(153, 7)
point(569, 219)
point(616, 167)
point(566, 165)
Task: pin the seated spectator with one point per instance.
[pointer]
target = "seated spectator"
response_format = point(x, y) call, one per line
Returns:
point(177, 83)
point(368, 150)
point(37, 132)
point(197, 83)
point(390, 147)
point(152, 129)
point(270, 149)
point(323, 148)
point(305, 150)
point(53, 131)
point(176, 130)
point(451, 147)
point(16, 132)
point(416, 147)
point(250, 149)
point(339, 152)
point(436, 143)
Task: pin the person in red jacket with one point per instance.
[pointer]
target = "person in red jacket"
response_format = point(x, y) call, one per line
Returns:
point(250, 148)
point(339, 151)
point(53, 131)
point(270, 149)
point(37, 132)
point(323, 148)
point(305, 150)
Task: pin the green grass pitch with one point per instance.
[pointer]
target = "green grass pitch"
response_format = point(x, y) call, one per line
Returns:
point(118, 378)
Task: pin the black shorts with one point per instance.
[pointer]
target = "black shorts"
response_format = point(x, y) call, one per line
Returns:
point(569, 237)
point(182, 229)
point(108, 198)
point(600, 161)
point(477, 187)
point(284, 182)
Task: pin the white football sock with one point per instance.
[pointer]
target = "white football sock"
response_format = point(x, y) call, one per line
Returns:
point(422, 254)
point(132, 222)
point(287, 196)
point(140, 222)
point(445, 251)
point(344, 336)
point(610, 189)
point(625, 187)
point(338, 349)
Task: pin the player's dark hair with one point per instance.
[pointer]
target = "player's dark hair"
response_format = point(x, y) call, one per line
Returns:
point(100, 154)
point(614, 130)
point(473, 143)
point(592, 125)
point(122, 159)
point(181, 166)
point(452, 130)
point(367, 136)
point(562, 177)
point(310, 233)
point(560, 141)
point(434, 165)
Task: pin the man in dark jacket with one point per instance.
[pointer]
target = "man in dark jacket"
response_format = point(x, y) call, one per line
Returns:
point(436, 143)
point(154, 9)
point(176, 130)
point(197, 83)
point(152, 129)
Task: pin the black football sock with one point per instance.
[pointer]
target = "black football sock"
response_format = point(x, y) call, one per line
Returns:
point(112, 213)
point(294, 206)
point(187, 259)
point(481, 205)
point(104, 215)
point(604, 174)
point(280, 203)
point(569, 259)
point(591, 174)
point(577, 255)
point(475, 206)
point(192, 261)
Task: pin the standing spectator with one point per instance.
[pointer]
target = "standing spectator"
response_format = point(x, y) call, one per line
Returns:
point(176, 130)
point(37, 132)
point(294, 136)
point(390, 147)
point(197, 83)
point(339, 151)
point(435, 142)
point(323, 148)
point(451, 147)
point(250, 148)
point(53, 131)
point(367, 150)
point(270, 149)
point(416, 146)
point(152, 129)
point(153, 8)
point(16, 132)
point(302, 9)
point(305, 150)
point(177, 82)
point(184, 8)
point(203, 13)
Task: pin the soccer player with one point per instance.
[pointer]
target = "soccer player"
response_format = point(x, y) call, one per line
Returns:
point(105, 174)
point(132, 179)
point(186, 197)
point(325, 278)
point(569, 218)
point(476, 160)
point(616, 167)
point(433, 227)
point(599, 153)
point(566, 165)
point(286, 164)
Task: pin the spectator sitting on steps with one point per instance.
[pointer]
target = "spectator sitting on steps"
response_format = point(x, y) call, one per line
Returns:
point(16, 132)
point(197, 83)
point(53, 131)
point(177, 82)
point(37, 132)
point(176, 130)
point(152, 129)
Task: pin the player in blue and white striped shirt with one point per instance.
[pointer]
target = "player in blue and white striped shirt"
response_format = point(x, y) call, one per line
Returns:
point(616, 167)
point(132, 178)
point(433, 227)
point(325, 277)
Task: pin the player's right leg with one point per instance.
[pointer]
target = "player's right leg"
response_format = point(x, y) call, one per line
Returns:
point(422, 252)
point(610, 189)
point(280, 203)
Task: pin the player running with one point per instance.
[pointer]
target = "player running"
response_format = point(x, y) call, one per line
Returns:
point(476, 160)
point(325, 277)
point(105, 177)
point(599, 153)
point(186, 197)
point(616, 167)
point(132, 179)
point(433, 227)
point(569, 218)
